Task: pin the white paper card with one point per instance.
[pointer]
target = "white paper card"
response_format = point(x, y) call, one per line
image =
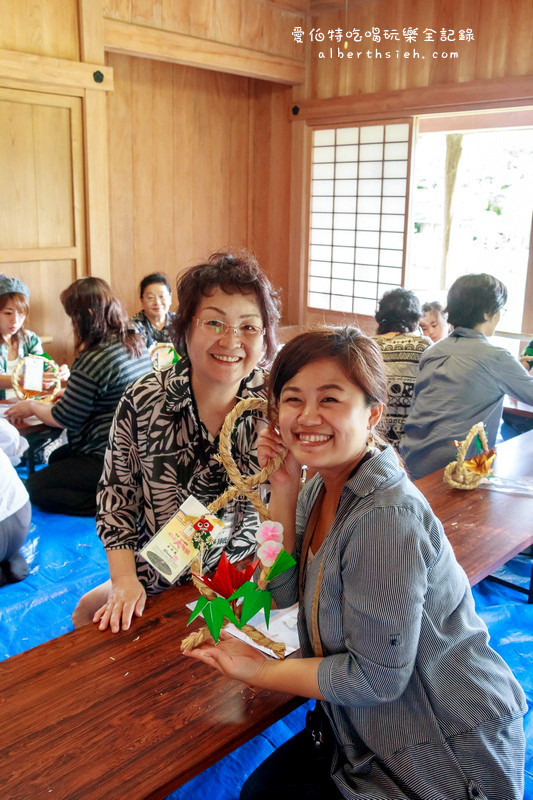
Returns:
point(171, 550)
point(33, 374)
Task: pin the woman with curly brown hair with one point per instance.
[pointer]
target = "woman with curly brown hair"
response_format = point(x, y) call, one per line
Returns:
point(164, 440)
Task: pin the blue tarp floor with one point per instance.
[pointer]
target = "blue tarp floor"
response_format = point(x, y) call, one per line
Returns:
point(66, 558)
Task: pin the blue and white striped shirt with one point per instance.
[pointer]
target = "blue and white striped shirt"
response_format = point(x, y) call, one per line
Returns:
point(98, 379)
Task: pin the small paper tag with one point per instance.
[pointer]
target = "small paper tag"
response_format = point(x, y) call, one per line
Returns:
point(172, 549)
point(33, 374)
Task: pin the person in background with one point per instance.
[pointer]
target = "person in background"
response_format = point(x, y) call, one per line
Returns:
point(164, 441)
point(15, 508)
point(398, 317)
point(154, 319)
point(434, 322)
point(412, 701)
point(15, 341)
point(109, 358)
point(526, 359)
point(462, 379)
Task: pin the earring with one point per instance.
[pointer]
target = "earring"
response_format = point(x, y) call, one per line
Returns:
point(370, 442)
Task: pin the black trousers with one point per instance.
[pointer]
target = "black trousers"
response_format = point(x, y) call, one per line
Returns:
point(293, 772)
point(68, 484)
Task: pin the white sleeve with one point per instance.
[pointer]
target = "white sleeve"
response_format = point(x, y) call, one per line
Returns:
point(11, 442)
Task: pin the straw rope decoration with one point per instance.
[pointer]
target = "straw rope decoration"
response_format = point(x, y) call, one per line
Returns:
point(457, 473)
point(244, 487)
point(26, 394)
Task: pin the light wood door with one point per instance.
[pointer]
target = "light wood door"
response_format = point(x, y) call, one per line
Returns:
point(42, 233)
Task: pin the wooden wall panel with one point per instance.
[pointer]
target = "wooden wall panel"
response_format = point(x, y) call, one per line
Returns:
point(199, 161)
point(120, 145)
point(501, 47)
point(36, 169)
point(46, 280)
point(260, 25)
point(40, 27)
point(271, 174)
point(18, 223)
point(42, 235)
point(53, 176)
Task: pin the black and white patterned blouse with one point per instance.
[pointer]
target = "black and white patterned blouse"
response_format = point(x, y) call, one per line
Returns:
point(159, 453)
point(151, 334)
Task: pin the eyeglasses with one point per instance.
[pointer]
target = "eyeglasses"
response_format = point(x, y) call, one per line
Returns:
point(152, 298)
point(217, 328)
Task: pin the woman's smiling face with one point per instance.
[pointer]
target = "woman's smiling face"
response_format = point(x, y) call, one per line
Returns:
point(11, 320)
point(225, 358)
point(324, 419)
point(156, 300)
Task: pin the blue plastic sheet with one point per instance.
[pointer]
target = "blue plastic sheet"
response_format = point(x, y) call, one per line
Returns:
point(66, 559)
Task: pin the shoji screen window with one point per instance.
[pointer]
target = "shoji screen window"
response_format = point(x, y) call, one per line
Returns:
point(358, 215)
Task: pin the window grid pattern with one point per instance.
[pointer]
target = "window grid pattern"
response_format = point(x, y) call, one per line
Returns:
point(357, 224)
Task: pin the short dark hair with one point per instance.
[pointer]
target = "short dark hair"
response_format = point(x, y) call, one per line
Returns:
point(153, 277)
point(97, 315)
point(433, 308)
point(398, 310)
point(358, 356)
point(472, 296)
point(235, 272)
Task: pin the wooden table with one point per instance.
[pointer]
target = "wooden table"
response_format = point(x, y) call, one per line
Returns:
point(516, 408)
point(486, 528)
point(36, 434)
point(125, 716)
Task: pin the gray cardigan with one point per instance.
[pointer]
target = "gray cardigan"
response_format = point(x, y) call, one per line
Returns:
point(462, 380)
point(416, 697)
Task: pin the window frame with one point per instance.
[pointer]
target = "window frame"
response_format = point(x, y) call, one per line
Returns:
point(511, 96)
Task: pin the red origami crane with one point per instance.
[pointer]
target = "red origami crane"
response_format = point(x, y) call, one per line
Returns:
point(227, 578)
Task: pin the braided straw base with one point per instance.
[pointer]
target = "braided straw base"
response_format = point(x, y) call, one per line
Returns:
point(456, 474)
point(27, 394)
point(199, 637)
point(460, 479)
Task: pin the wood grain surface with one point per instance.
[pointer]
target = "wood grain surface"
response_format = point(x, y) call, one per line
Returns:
point(123, 716)
point(486, 527)
point(126, 716)
point(500, 47)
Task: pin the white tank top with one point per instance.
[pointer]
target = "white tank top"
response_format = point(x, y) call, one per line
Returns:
point(10, 369)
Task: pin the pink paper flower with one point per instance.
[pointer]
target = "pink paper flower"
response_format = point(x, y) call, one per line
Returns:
point(268, 552)
point(270, 531)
